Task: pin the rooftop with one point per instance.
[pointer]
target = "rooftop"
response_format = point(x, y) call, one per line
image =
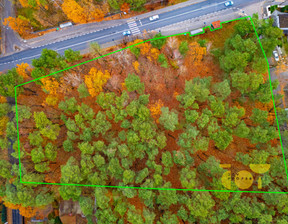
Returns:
point(283, 20)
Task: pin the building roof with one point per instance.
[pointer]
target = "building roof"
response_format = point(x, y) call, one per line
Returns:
point(216, 24)
point(283, 20)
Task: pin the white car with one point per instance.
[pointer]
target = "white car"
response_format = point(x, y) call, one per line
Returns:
point(276, 56)
point(152, 18)
point(126, 33)
point(229, 3)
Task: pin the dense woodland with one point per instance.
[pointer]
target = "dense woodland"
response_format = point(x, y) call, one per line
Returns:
point(167, 113)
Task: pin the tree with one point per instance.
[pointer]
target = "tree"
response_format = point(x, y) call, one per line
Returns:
point(86, 148)
point(222, 139)
point(71, 125)
point(70, 172)
point(5, 169)
point(114, 4)
point(200, 204)
point(158, 41)
point(51, 151)
point(242, 130)
point(69, 105)
point(21, 69)
point(128, 176)
point(83, 91)
point(74, 11)
point(191, 115)
point(35, 138)
point(72, 56)
point(86, 205)
point(133, 83)
point(187, 178)
point(41, 120)
point(167, 198)
point(51, 131)
point(11, 131)
point(168, 119)
point(95, 48)
point(20, 24)
point(68, 192)
point(8, 81)
point(163, 60)
point(68, 145)
point(222, 89)
point(234, 60)
point(37, 155)
point(136, 4)
point(96, 80)
point(24, 112)
point(259, 116)
point(86, 111)
point(42, 167)
point(49, 59)
point(184, 47)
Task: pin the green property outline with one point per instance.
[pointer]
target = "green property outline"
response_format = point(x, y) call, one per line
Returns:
point(149, 188)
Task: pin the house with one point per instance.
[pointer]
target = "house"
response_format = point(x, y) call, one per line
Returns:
point(281, 20)
point(216, 24)
point(70, 213)
point(14, 217)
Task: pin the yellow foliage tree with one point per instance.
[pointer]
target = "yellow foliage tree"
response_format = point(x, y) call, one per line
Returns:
point(145, 48)
point(27, 212)
point(51, 85)
point(10, 205)
point(97, 14)
point(155, 108)
point(96, 80)
point(74, 11)
point(197, 52)
point(24, 3)
point(136, 66)
point(3, 99)
point(21, 69)
point(19, 24)
point(3, 123)
point(155, 53)
point(51, 100)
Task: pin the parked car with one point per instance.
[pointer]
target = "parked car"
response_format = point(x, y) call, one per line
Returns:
point(152, 18)
point(229, 3)
point(276, 56)
point(127, 33)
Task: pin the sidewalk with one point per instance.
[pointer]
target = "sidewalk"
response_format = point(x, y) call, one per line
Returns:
point(83, 29)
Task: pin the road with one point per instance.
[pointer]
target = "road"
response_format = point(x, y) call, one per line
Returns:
point(115, 33)
point(7, 33)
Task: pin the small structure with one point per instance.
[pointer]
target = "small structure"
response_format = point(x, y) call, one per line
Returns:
point(216, 24)
point(63, 25)
point(281, 20)
point(70, 213)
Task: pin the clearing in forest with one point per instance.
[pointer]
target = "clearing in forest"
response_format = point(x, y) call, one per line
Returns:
point(177, 112)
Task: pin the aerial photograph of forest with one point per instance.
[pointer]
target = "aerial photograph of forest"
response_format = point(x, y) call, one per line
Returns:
point(165, 129)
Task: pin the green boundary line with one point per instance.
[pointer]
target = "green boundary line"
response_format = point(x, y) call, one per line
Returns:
point(147, 188)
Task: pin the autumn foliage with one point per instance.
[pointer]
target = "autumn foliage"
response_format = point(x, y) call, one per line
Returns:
point(95, 80)
point(27, 212)
point(20, 24)
point(21, 69)
point(74, 11)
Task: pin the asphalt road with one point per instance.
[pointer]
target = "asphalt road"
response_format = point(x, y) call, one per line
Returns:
point(115, 33)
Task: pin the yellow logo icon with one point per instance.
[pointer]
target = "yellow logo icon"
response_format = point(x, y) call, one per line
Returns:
point(244, 179)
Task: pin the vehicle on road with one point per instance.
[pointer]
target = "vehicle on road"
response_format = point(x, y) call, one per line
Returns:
point(152, 18)
point(127, 33)
point(229, 3)
point(276, 56)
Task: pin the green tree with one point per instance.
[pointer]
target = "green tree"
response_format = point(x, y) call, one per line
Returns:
point(163, 60)
point(167, 198)
point(158, 41)
point(191, 115)
point(86, 135)
point(86, 148)
point(187, 178)
point(37, 155)
point(234, 60)
point(222, 89)
point(70, 172)
point(135, 51)
point(133, 83)
point(72, 56)
point(51, 151)
point(200, 204)
point(5, 169)
point(222, 139)
point(41, 120)
point(141, 175)
point(68, 145)
point(8, 81)
point(184, 47)
point(86, 111)
point(86, 205)
point(168, 119)
point(51, 131)
point(259, 116)
point(242, 130)
point(82, 90)
point(11, 131)
point(24, 112)
point(71, 125)
point(42, 167)
point(70, 192)
point(35, 138)
point(128, 176)
point(69, 105)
